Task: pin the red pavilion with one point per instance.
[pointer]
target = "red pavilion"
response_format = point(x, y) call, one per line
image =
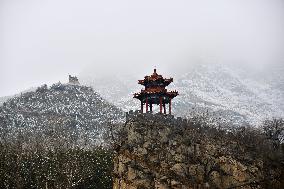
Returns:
point(155, 92)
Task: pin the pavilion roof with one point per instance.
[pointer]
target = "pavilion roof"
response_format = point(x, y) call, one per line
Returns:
point(155, 77)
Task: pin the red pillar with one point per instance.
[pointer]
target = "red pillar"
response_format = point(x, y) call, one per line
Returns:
point(146, 104)
point(170, 107)
point(141, 106)
point(161, 105)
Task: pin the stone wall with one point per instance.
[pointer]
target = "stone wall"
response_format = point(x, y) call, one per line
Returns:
point(163, 152)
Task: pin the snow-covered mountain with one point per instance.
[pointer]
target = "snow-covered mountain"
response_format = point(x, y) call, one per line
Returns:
point(62, 111)
point(117, 89)
point(230, 92)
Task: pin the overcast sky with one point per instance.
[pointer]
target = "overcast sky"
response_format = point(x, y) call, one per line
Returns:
point(42, 41)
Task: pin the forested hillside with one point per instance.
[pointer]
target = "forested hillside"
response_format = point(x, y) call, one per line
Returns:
point(62, 112)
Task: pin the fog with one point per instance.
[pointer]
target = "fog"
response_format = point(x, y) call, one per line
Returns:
point(44, 41)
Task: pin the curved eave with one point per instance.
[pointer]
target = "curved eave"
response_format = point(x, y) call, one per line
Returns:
point(170, 94)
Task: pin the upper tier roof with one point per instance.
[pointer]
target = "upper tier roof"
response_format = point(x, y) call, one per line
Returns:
point(155, 78)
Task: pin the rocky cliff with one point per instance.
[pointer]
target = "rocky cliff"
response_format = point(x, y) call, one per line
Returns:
point(160, 151)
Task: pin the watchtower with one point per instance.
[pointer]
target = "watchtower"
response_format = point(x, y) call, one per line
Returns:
point(73, 80)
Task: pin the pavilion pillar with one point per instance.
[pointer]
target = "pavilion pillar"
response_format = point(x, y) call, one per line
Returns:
point(165, 108)
point(151, 107)
point(141, 106)
point(146, 104)
point(170, 106)
point(161, 105)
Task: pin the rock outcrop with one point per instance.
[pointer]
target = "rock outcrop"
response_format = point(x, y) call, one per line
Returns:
point(163, 152)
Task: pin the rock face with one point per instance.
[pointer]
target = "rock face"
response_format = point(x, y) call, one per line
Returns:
point(160, 151)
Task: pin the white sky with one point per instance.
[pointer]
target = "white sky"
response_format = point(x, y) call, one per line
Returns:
point(42, 41)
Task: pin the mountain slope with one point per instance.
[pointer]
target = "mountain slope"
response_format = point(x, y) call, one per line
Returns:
point(230, 92)
point(63, 111)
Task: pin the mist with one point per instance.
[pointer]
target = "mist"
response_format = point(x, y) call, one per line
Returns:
point(44, 41)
